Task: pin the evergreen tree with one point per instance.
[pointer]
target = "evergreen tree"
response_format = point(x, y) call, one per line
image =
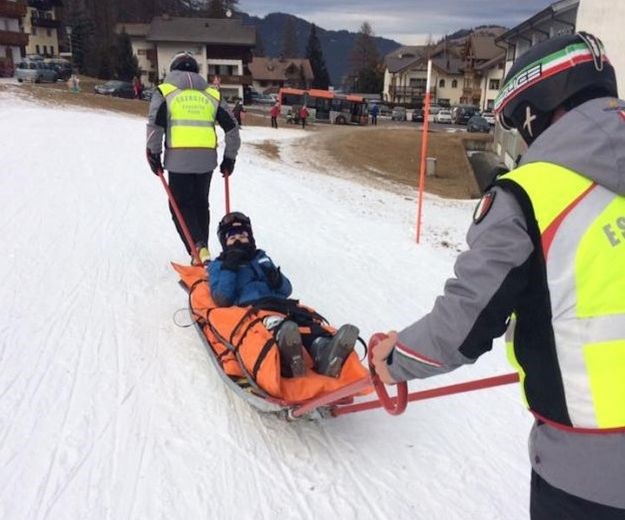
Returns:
point(314, 53)
point(259, 47)
point(81, 37)
point(125, 63)
point(220, 8)
point(289, 39)
point(367, 73)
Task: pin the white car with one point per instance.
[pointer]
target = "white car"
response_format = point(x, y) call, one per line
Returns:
point(490, 118)
point(443, 116)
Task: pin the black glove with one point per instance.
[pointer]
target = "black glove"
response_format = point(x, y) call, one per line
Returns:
point(154, 160)
point(274, 278)
point(233, 258)
point(227, 166)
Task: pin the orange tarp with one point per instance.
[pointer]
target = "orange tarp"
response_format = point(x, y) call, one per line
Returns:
point(252, 338)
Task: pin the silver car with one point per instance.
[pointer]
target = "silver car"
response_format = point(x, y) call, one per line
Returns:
point(35, 71)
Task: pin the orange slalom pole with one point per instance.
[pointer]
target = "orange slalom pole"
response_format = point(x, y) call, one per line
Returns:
point(424, 149)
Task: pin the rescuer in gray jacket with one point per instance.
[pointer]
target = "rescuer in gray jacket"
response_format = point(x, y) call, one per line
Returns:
point(184, 109)
point(546, 265)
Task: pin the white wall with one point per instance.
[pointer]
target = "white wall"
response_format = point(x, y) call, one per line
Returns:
point(604, 18)
point(166, 51)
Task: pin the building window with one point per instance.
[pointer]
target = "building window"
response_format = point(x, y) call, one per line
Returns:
point(490, 104)
point(441, 83)
point(49, 32)
point(51, 50)
point(443, 102)
point(454, 83)
point(34, 31)
point(37, 49)
point(45, 49)
point(493, 84)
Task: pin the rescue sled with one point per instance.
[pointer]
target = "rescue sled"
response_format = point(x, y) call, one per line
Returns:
point(246, 357)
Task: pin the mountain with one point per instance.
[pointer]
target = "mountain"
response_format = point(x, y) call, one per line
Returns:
point(336, 45)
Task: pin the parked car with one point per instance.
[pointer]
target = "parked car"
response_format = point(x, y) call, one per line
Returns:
point(462, 113)
point(116, 88)
point(490, 117)
point(383, 110)
point(399, 114)
point(478, 124)
point(62, 67)
point(146, 93)
point(443, 116)
point(261, 99)
point(435, 109)
point(35, 71)
point(417, 115)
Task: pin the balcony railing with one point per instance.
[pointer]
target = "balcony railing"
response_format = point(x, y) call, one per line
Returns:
point(14, 39)
point(409, 92)
point(232, 80)
point(38, 21)
point(12, 9)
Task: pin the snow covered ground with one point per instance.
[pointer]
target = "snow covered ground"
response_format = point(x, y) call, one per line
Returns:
point(109, 409)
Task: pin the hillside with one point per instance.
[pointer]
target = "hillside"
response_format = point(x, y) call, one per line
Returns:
point(336, 45)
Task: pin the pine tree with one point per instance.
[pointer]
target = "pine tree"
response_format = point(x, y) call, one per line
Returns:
point(314, 53)
point(220, 8)
point(125, 63)
point(259, 47)
point(289, 40)
point(367, 73)
point(81, 37)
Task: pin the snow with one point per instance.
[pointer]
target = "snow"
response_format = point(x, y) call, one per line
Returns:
point(110, 407)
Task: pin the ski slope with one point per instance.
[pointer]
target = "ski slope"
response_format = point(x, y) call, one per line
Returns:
point(109, 405)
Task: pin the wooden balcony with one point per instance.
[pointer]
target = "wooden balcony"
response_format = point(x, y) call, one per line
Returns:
point(232, 80)
point(12, 9)
point(13, 39)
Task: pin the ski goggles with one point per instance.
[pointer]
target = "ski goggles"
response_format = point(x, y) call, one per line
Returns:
point(234, 217)
point(237, 231)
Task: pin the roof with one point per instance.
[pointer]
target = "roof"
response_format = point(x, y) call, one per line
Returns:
point(449, 63)
point(542, 16)
point(500, 58)
point(276, 69)
point(132, 29)
point(224, 31)
point(403, 57)
point(484, 48)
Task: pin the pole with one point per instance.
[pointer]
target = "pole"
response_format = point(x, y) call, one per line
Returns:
point(180, 218)
point(227, 195)
point(424, 149)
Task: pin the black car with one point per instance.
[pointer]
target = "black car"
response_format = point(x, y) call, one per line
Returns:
point(462, 114)
point(478, 124)
point(417, 115)
point(62, 67)
point(116, 88)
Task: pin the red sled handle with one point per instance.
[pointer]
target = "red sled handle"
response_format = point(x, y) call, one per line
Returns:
point(393, 405)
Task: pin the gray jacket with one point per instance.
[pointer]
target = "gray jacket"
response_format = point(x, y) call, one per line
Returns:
point(476, 303)
point(189, 160)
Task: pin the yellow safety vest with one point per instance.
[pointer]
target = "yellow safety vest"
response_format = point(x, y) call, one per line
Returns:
point(191, 116)
point(582, 241)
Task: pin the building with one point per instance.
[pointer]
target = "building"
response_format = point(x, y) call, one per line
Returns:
point(556, 19)
point(13, 40)
point(481, 66)
point(222, 48)
point(468, 71)
point(271, 74)
point(43, 25)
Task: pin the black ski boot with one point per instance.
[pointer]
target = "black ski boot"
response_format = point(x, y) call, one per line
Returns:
point(290, 346)
point(330, 353)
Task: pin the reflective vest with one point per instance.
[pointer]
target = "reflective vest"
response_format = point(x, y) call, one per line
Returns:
point(191, 116)
point(567, 338)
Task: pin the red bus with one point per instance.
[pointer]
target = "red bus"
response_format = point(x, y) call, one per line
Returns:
point(325, 106)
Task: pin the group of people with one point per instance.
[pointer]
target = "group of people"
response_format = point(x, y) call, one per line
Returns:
point(545, 266)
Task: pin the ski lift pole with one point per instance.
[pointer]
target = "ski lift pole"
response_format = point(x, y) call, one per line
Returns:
point(180, 218)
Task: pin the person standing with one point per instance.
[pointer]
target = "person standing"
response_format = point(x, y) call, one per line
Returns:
point(546, 264)
point(237, 110)
point(303, 115)
point(184, 110)
point(274, 113)
point(375, 110)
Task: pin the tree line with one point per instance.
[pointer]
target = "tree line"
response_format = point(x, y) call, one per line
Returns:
point(99, 51)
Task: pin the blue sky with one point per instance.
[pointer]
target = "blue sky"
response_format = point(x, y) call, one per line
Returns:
point(406, 21)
